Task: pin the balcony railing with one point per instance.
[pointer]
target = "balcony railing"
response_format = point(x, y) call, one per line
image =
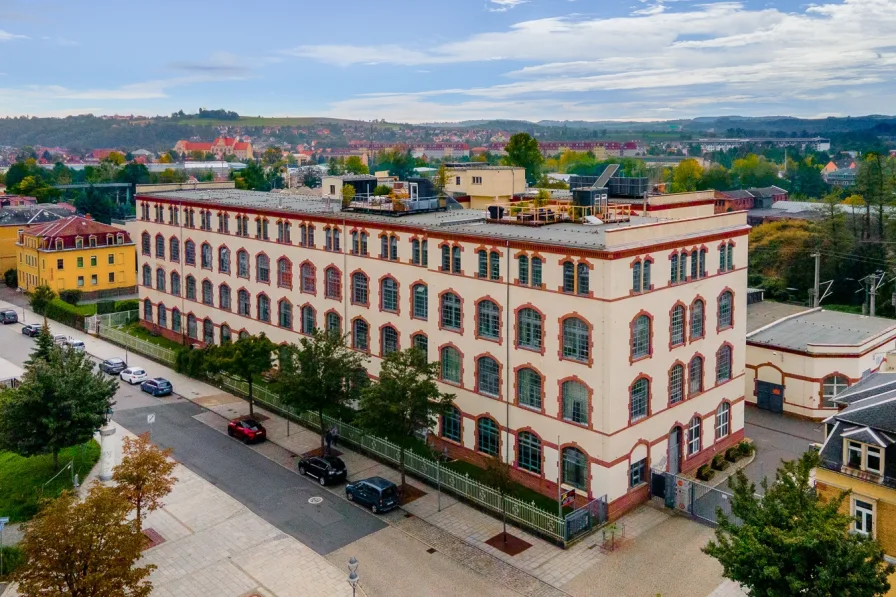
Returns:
point(858, 473)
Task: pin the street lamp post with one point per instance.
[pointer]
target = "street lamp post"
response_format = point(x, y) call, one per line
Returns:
point(353, 577)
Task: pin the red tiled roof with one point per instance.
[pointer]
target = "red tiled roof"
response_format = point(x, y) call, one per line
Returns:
point(241, 145)
point(68, 229)
point(199, 146)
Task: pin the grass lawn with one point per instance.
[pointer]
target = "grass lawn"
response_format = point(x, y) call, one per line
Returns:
point(138, 331)
point(87, 309)
point(521, 492)
point(22, 479)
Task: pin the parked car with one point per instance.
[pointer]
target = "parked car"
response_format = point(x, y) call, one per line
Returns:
point(76, 345)
point(9, 316)
point(380, 495)
point(158, 386)
point(133, 375)
point(247, 430)
point(60, 339)
point(326, 469)
point(31, 329)
point(113, 366)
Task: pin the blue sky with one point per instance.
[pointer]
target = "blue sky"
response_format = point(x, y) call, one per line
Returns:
point(424, 61)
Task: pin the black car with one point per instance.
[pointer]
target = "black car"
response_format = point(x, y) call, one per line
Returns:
point(326, 469)
point(9, 316)
point(113, 366)
point(158, 386)
point(380, 495)
point(31, 329)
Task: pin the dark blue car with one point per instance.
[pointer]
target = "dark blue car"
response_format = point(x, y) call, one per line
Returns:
point(157, 387)
point(378, 494)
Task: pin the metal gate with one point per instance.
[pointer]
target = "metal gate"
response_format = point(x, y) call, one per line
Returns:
point(770, 396)
point(690, 496)
point(582, 520)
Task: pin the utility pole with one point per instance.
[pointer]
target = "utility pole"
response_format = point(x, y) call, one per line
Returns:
point(816, 295)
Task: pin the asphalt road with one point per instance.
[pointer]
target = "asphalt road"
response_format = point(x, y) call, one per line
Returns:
point(777, 438)
point(275, 493)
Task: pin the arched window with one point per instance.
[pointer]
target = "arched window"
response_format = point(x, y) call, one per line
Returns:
point(208, 331)
point(695, 269)
point(242, 264)
point(384, 247)
point(833, 385)
point(262, 268)
point(415, 251)
point(174, 249)
point(284, 313)
point(488, 320)
point(697, 318)
point(676, 384)
point(284, 274)
point(455, 259)
point(639, 399)
point(451, 311)
point(530, 329)
point(309, 278)
point(536, 272)
point(388, 340)
point(147, 275)
point(264, 308)
point(646, 285)
point(360, 335)
point(695, 376)
point(569, 277)
point(225, 334)
point(451, 424)
point(723, 420)
point(190, 250)
point(309, 319)
point(208, 293)
point(641, 337)
point(334, 322)
point(191, 288)
point(494, 265)
point(206, 256)
point(676, 325)
point(723, 364)
point(224, 260)
point(145, 244)
point(574, 397)
point(420, 342)
point(673, 274)
point(421, 301)
point(333, 283)
point(523, 265)
point(529, 387)
point(726, 305)
point(175, 321)
point(389, 295)
point(192, 330)
point(359, 289)
point(683, 268)
point(160, 246)
point(242, 303)
point(224, 297)
point(175, 283)
point(393, 248)
point(488, 378)
point(450, 361)
point(487, 441)
point(576, 340)
point(243, 333)
point(582, 284)
point(528, 452)
point(160, 280)
point(636, 277)
point(694, 433)
point(575, 468)
point(147, 310)
point(446, 258)
point(163, 315)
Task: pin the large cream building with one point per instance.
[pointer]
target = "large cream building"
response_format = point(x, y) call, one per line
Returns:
point(580, 354)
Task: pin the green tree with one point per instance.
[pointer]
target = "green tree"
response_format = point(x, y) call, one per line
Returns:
point(876, 182)
point(686, 176)
point(381, 190)
point(522, 150)
point(11, 278)
point(319, 375)
point(134, 174)
point(792, 542)
point(61, 402)
point(404, 400)
point(354, 165)
point(96, 203)
point(441, 179)
point(41, 296)
point(43, 345)
point(245, 359)
point(311, 179)
point(754, 171)
point(334, 167)
point(348, 194)
point(718, 178)
point(116, 158)
point(271, 156)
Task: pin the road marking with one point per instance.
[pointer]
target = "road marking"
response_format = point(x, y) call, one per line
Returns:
point(315, 500)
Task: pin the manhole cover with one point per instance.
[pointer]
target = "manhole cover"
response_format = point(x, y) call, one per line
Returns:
point(315, 500)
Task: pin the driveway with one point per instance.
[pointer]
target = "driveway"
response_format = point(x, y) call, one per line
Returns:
point(777, 438)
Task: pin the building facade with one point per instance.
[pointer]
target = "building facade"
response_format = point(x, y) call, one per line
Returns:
point(77, 253)
point(580, 355)
point(485, 185)
point(16, 218)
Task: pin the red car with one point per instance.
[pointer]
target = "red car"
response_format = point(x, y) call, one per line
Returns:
point(248, 430)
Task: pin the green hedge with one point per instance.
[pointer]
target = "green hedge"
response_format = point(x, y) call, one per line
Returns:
point(103, 307)
point(13, 558)
point(127, 305)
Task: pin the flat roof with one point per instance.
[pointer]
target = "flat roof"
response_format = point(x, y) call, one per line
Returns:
point(766, 312)
point(463, 221)
point(822, 327)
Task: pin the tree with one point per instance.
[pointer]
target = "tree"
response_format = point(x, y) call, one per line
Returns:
point(311, 179)
point(542, 198)
point(522, 150)
point(441, 178)
point(875, 181)
point(271, 156)
point(43, 345)
point(381, 190)
point(497, 475)
point(718, 178)
point(686, 176)
point(134, 174)
point(754, 171)
point(348, 194)
point(793, 542)
point(116, 158)
point(61, 402)
point(96, 203)
point(41, 296)
point(84, 549)
point(245, 359)
point(11, 278)
point(354, 165)
point(320, 375)
point(144, 475)
point(404, 400)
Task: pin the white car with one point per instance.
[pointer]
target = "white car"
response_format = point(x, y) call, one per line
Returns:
point(76, 345)
point(133, 375)
point(61, 339)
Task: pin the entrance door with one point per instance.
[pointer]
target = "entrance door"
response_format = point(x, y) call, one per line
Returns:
point(675, 451)
point(770, 396)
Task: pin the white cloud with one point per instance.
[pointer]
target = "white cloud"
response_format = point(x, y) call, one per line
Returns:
point(7, 36)
point(503, 5)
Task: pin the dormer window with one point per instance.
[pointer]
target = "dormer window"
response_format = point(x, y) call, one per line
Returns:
point(108, 239)
point(92, 241)
point(79, 243)
point(864, 457)
point(59, 244)
point(119, 239)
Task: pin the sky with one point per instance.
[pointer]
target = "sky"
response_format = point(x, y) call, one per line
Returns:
point(435, 61)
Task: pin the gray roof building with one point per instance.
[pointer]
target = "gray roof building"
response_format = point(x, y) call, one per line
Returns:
point(817, 327)
point(20, 215)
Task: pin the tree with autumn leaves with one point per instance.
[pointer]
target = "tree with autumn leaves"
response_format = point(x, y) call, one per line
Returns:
point(144, 476)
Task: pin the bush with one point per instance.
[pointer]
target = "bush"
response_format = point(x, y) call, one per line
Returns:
point(59, 313)
point(127, 305)
point(103, 307)
point(705, 473)
point(382, 190)
point(745, 448)
point(732, 454)
point(13, 558)
point(11, 277)
point(71, 295)
point(719, 463)
point(41, 296)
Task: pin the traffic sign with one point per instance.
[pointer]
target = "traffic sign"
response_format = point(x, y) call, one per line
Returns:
point(151, 418)
point(568, 497)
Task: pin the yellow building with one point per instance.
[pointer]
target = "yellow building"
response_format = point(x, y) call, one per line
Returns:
point(14, 219)
point(486, 185)
point(77, 252)
point(859, 454)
